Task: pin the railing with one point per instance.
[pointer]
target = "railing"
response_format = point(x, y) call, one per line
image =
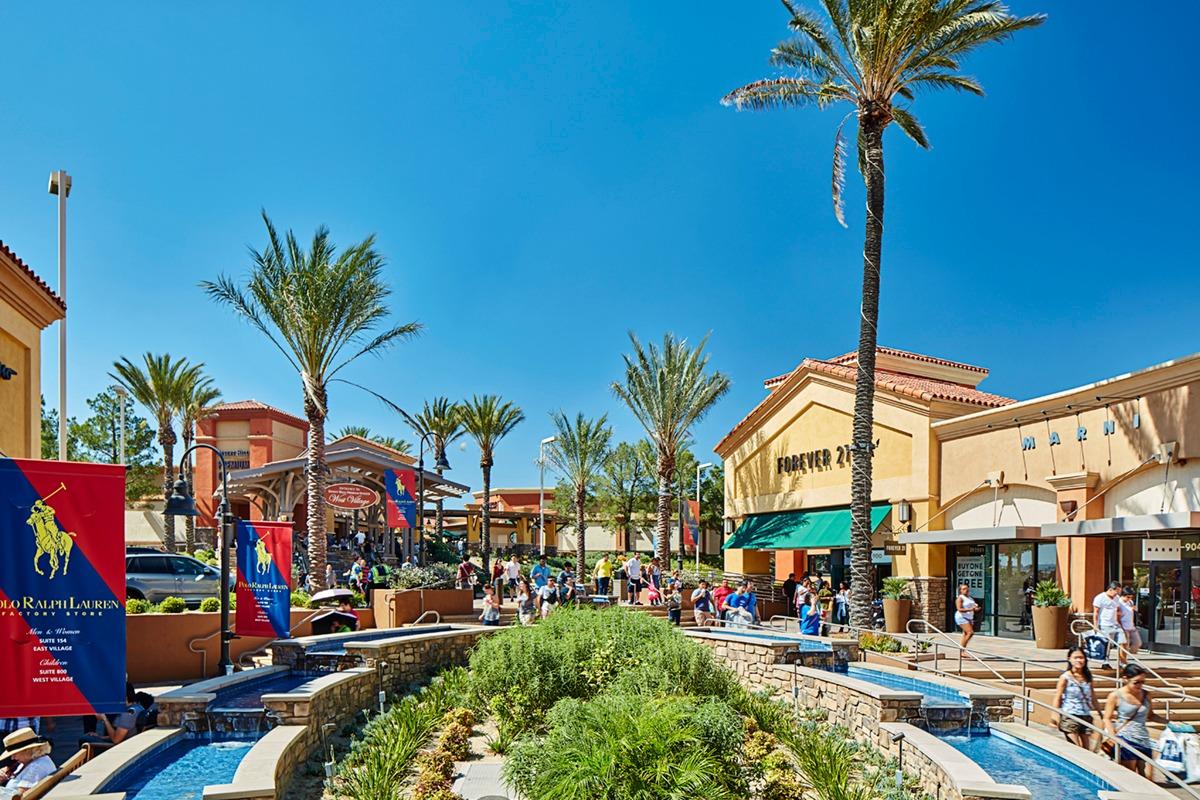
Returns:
point(437, 617)
point(929, 626)
point(1175, 688)
point(248, 656)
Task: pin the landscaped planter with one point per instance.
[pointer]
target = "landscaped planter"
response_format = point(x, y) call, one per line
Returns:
point(1050, 626)
point(396, 607)
point(895, 614)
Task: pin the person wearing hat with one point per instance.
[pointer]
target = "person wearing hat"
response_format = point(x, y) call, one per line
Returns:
point(33, 763)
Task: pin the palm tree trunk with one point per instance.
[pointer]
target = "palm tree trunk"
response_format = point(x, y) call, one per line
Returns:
point(314, 476)
point(485, 526)
point(662, 543)
point(166, 439)
point(580, 532)
point(861, 585)
point(189, 523)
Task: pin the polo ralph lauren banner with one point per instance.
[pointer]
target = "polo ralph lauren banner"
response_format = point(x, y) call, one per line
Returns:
point(62, 588)
point(401, 498)
point(264, 573)
point(691, 527)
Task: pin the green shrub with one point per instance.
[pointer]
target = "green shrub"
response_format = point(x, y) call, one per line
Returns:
point(205, 555)
point(1049, 593)
point(879, 642)
point(210, 604)
point(521, 672)
point(172, 605)
point(627, 746)
point(137, 606)
point(422, 577)
point(895, 588)
point(301, 599)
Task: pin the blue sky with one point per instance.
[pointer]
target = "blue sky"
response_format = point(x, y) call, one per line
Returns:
point(545, 177)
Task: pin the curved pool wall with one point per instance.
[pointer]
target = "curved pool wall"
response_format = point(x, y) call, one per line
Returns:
point(754, 653)
point(181, 770)
point(328, 652)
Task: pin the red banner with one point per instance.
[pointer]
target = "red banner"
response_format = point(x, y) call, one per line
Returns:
point(62, 588)
point(691, 526)
point(264, 579)
point(401, 487)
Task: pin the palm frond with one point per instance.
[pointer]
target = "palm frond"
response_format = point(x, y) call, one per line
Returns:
point(775, 93)
point(944, 80)
point(839, 171)
point(911, 127)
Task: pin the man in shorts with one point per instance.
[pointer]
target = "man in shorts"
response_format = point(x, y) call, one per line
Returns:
point(633, 573)
point(1107, 606)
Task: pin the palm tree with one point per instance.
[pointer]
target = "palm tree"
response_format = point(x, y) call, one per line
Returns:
point(668, 390)
point(401, 446)
point(873, 54)
point(578, 454)
point(440, 420)
point(488, 419)
point(321, 309)
point(196, 401)
point(361, 431)
point(160, 387)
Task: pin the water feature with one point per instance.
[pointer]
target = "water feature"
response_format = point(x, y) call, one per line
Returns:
point(790, 638)
point(936, 696)
point(239, 708)
point(181, 770)
point(1010, 760)
point(327, 653)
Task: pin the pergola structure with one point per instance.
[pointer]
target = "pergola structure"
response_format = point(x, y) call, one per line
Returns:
point(510, 530)
point(276, 490)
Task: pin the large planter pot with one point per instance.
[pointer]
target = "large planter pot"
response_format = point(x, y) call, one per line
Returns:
point(1050, 626)
point(895, 614)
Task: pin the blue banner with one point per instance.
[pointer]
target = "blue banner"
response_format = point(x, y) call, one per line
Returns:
point(264, 569)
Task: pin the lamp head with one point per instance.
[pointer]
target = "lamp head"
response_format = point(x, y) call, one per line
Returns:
point(442, 464)
point(180, 503)
point(549, 439)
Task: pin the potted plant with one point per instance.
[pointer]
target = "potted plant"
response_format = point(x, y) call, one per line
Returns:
point(1051, 610)
point(896, 604)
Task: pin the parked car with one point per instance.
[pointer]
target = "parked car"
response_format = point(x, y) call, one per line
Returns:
point(151, 576)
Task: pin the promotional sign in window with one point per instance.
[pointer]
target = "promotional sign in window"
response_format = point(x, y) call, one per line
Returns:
point(264, 579)
point(62, 588)
point(401, 498)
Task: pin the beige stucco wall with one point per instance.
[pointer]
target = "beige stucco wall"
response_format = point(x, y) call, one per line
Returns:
point(289, 440)
point(25, 310)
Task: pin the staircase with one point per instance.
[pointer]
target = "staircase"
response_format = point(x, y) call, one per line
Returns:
point(508, 615)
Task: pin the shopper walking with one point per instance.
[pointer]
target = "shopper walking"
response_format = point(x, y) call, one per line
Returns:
point(789, 590)
point(675, 605)
point(964, 613)
point(810, 616)
point(720, 597)
point(841, 605)
point(491, 606)
point(1126, 713)
point(633, 575)
point(526, 603)
point(1127, 619)
point(548, 595)
point(702, 604)
point(1106, 606)
point(513, 572)
point(1075, 699)
point(603, 573)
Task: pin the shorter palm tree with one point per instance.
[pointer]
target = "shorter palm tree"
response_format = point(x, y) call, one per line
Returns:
point(160, 386)
point(578, 454)
point(440, 420)
point(488, 419)
point(197, 399)
point(401, 446)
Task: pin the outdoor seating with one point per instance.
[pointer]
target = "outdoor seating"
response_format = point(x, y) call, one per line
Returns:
point(43, 787)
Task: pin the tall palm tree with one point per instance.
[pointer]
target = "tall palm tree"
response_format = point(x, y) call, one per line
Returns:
point(668, 390)
point(578, 454)
point(196, 401)
point(488, 419)
point(440, 420)
point(874, 55)
point(321, 309)
point(160, 385)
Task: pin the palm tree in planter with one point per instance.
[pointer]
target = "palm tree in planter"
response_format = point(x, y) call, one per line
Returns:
point(578, 454)
point(195, 404)
point(668, 390)
point(439, 419)
point(488, 419)
point(160, 384)
point(322, 309)
point(874, 55)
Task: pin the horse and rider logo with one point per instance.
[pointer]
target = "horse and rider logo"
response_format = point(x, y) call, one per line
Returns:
point(264, 558)
point(50, 540)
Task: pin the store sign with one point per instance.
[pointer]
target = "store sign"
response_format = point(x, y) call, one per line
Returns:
point(62, 588)
point(1189, 547)
point(1161, 549)
point(814, 460)
point(895, 548)
point(970, 570)
point(350, 496)
point(236, 459)
point(879, 556)
point(6, 372)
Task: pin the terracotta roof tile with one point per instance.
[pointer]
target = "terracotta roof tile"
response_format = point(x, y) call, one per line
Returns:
point(4, 250)
point(849, 358)
point(255, 405)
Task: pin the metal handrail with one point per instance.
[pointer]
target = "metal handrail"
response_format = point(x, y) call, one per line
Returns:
point(1177, 688)
point(250, 654)
point(437, 617)
point(929, 626)
point(1025, 707)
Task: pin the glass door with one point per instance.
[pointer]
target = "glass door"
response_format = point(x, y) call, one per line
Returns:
point(1174, 620)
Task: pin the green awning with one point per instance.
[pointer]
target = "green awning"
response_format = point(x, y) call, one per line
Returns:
point(799, 530)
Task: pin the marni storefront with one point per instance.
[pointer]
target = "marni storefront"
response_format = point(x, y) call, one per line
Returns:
point(1092, 484)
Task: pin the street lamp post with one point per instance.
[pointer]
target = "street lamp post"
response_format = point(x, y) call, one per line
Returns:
point(181, 503)
point(60, 185)
point(121, 395)
point(443, 465)
point(542, 494)
point(699, 529)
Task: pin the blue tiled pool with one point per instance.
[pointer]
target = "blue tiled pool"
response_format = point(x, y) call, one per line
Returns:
point(935, 694)
point(182, 770)
point(790, 638)
point(338, 646)
point(1046, 775)
point(248, 694)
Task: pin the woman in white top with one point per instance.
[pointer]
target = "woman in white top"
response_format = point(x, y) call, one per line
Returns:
point(32, 756)
point(964, 613)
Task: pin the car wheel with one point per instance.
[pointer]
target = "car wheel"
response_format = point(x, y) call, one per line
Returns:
point(133, 594)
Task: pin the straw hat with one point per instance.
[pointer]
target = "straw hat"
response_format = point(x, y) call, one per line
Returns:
point(22, 740)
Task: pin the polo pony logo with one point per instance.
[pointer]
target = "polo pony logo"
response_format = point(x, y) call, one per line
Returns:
point(49, 539)
point(264, 558)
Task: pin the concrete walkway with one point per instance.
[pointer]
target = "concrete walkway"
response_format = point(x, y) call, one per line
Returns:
point(481, 781)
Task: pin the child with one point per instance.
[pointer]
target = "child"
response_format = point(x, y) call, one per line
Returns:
point(674, 604)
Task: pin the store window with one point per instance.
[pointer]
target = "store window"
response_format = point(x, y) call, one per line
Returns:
point(1014, 589)
point(973, 566)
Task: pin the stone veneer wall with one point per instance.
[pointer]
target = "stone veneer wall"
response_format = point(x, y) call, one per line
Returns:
point(929, 599)
point(332, 698)
point(411, 659)
point(754, 661)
